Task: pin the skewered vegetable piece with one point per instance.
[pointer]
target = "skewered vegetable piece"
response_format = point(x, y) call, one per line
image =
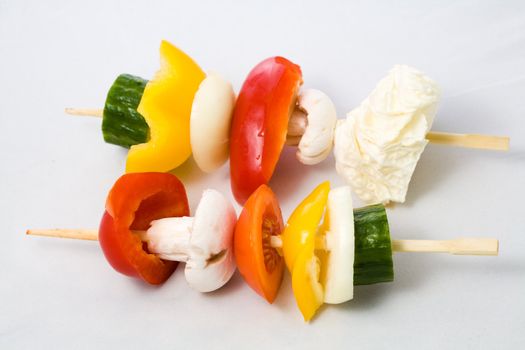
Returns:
point(373, 247)
point(299, 244)
point(146, 230)
point(313, 122)
point(325, 260)
point(204, 242)
point(338, 257)
point(210, 122)
point(166, 105)
point(302, 226)
point(260, 265)
point(154, 196)
point(260, 123)
point(379, 144)
point(376, 148)
point(122, 125)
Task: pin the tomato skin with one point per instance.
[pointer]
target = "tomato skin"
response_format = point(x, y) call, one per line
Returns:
point(260, 123)
point(248, 243)
point(135, 200)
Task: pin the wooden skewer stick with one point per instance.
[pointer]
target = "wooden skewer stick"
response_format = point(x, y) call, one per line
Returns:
point(459, 246)
point(488, 142)
point(495, 143)
point(85, 112)
point(88, 235)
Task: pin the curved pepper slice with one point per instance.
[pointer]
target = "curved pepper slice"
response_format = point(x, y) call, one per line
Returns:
point(259, 264)
point(299, 239)
point(308, 291)
point(134, 201)
point(166, 106)
point(260, 123)
point(303, 224)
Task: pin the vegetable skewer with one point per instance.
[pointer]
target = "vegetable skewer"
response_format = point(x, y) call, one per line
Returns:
point(146, 230)
point(458, 246)
point(477, 141)
point(183, 111)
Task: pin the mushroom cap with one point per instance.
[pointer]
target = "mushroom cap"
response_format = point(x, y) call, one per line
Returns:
point(338, 262)
point(210, 261)
point(210, 120)
point(316, 143)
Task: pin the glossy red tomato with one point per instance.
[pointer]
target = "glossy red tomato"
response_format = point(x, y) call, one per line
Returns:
point(135, 200)
point(260, 123)
point(260, 265)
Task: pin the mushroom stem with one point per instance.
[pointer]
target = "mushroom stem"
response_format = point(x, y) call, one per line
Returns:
point(169, 238)
point(296, 126)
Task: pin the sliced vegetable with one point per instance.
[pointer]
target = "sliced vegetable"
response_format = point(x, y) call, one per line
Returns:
point(260, 122)
point(337, 261)
point(134, 201)
point(210, 122)
point(166, 106)
point(260, 265)
point(307, 289)
point(301, 228)
point(299, 243)
point(122, 125)
point(373, 248)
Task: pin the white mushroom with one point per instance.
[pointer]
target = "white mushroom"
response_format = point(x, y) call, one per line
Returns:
point(210, 121)
point(204, 242)
point(338, 266)
point(312, 124)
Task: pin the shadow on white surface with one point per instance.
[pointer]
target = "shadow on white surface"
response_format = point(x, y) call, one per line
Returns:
point(234, 284)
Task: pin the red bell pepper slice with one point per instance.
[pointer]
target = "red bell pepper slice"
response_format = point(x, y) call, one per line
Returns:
point(135, 200)
point(260, 123)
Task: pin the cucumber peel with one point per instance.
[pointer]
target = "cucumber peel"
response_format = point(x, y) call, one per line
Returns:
point(122, 125)
point(373, 248)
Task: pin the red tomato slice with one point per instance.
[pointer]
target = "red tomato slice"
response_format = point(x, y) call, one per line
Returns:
point(260, 265)
point(135, 200)
point(260, 123)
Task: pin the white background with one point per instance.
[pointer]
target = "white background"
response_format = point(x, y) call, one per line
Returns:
point(56, 171)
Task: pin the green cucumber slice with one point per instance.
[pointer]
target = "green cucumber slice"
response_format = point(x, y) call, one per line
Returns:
point(373, 248)
point(122, 125)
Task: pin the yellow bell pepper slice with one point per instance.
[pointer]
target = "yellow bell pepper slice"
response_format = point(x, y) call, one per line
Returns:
point(302, 225)
point(299, 239)
point(166, 106)
point(308, 291)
